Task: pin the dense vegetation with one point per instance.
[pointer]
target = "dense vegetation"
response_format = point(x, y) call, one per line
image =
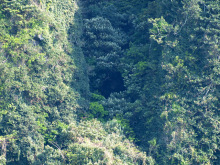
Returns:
point(110, 82)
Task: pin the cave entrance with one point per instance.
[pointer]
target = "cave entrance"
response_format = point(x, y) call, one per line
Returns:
point(112, 83)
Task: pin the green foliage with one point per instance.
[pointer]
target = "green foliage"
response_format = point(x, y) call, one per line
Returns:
point(185, 105)
point(171, 97)
point(103, 43)
point(125, 124)
point(36, 72)
point(85, 155)
point(96, 97)
point(44, 85)
point(167, 100)
point(97, 111)
point(160, 30)
point(96, 143)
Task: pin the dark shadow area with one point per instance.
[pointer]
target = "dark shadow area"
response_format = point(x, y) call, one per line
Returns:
point(113, 83)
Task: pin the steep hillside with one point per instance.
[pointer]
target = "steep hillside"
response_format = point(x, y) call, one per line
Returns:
point(157, 63)
point(44, 85)
point(87, 81)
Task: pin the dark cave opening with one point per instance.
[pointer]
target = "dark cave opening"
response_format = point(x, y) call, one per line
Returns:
point(113, 83)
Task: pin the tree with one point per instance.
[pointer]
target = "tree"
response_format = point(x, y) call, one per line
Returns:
point(190, 101)
point(102, 50)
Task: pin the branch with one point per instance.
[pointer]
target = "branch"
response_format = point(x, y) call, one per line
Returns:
point(56, 145)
